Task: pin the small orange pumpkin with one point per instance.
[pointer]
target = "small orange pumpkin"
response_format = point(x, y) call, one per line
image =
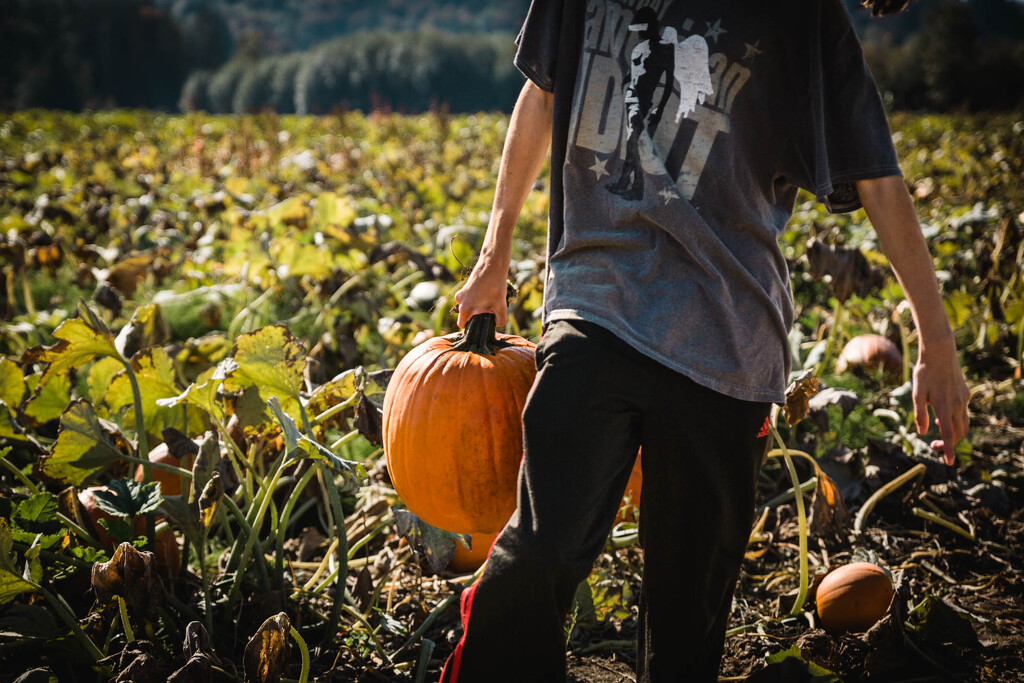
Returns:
point(853, 597)
point(166, 550)
point(453, 426)
point(871, 352)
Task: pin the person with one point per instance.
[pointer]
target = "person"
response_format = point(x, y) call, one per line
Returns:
point(667, 306)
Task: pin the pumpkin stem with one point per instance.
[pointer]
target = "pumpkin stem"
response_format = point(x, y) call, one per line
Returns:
point(479, 337)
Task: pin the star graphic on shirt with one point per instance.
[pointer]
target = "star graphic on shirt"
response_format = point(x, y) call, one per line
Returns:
point(752, 50)
point(668, 195)
point(714, 30)
point(600, 167)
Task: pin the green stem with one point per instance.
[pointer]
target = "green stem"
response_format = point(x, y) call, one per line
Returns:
point(917, 470)
point(304, 650)
point(251, 538)
point(128, 632)
point(341, 553)
point(802, 521)
point(143, 445)
point(64, 612)
point(21, 476)
point(159, 465)
point(833, 336)
point(424, 662)
point(941, 521)
point(335, 409)
point(479, 337)
point(385, 523)
point(282, 524)
point(343, 440)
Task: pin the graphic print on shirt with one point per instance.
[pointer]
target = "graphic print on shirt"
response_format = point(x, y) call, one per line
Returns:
point(643, 59)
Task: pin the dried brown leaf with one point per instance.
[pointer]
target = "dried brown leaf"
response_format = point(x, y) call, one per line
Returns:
point(266, 655)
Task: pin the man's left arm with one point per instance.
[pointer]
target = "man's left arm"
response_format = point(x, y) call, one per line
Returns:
point(938, 379)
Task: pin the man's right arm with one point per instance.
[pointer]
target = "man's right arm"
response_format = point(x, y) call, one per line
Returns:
point(526, 145)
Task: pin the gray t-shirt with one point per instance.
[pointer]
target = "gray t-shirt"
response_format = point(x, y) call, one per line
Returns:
point(682, 131)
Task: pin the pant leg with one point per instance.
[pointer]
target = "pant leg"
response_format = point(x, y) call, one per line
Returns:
point(701, 455)
point(581, 435)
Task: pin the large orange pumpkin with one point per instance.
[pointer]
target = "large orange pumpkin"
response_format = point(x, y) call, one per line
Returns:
point(853, 597)
point(453, 426)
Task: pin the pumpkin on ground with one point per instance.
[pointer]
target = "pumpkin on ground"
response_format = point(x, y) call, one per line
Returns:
point(170, 482)
point(870, 352)
point(453, 426)
point(166, 550)
point(853, 597)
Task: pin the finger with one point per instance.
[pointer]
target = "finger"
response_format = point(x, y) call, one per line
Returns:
point(949, 440)
point(920, 413)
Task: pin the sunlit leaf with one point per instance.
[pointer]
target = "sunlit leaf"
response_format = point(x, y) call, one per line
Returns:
point(295, 260)
point(49, 400)
point(203, 392)
point(334, 214)
point(209, 500)
point(12, 383)
point(36, 517)
point(295, 442)
point(80, 340)
point(100, 376)
point(266, 654)
point(157, 380)
point(86, 445)
point(272, 360)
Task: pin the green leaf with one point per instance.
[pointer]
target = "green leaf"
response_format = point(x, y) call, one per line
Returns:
point(12, 383)
point(118, 529)
point(128, 498)
point(437, 545)
point(86, 445)
point(203, 392)
point(295, 260)
point(34, 516)
point(11, 583)
point(49, 400)
point(148, 327)
point(793, 666)
point(155, 374)
point(9, 429)
point(101, 374)
point(298, 444)
point(273, 361)
point(80, 340)
point(35, 565)
point(333, 214)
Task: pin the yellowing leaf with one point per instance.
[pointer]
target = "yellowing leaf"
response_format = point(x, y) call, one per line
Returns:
point(100, 376)
point(273, 361)
point(295, 260)
point(334, 214)
point(154, 372)
point(9, 429)
point(148, 327)
point(49, 400)
point(12, 383)
point(11, 584)
point(79, 341)
point(266, 655)
point(86, 445)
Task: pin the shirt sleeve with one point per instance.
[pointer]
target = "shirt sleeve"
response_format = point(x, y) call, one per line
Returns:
point(538, 43)
point(851, 138)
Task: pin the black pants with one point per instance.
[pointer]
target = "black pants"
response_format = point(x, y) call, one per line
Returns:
point(596, 401)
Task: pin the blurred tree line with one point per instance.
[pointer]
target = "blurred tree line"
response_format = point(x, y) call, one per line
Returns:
point(217, 55)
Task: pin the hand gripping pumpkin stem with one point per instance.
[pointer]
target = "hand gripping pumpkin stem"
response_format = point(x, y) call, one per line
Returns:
point(479, 336)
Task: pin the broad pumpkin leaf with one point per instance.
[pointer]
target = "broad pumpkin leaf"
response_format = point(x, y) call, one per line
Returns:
point(155, 374)
point(203, 392)
point(272, 360)
point(333, 211)
point(86, 445)
point(128, 498)
point(36, 517)
point(49, 400)
point(101, 374)
point(148, 327)
point(11, 583)
point(290, 212)
point(9, 428)
point(12, 383)
point(266, 654)
point(295, 259)
point(79, 340)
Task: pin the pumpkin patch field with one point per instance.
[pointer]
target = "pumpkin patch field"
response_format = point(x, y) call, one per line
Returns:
point(217, 462)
